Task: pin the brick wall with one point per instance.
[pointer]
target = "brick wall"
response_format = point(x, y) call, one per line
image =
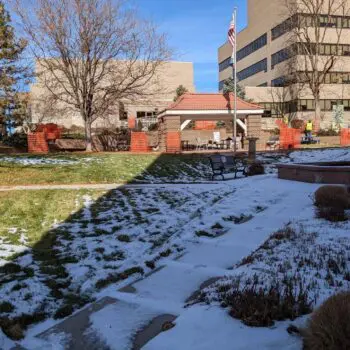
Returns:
point(37, 143)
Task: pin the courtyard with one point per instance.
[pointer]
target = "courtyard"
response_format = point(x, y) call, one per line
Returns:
point(147, 239)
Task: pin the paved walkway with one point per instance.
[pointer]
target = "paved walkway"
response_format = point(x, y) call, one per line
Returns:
point(133, 316)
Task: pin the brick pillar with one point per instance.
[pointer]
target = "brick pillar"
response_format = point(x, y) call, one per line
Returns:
point(168, 127)
point(254, 125)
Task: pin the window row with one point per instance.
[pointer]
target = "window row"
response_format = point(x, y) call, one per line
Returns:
point(326, 105)
point(146, 114)
point(305, 20)
point(280, 108)
point(252, 47)
point(281, 56)
point(256, 68)
point(225, 64)
point(283, 27)
point(324, 49)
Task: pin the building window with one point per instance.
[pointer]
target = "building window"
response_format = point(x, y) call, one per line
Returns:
point(256, 68)
point(310, 21)
point(252, 47)
point(281, 56)
point(146, 114)
point(278, 82)
point(225, 64)
point(283, 28)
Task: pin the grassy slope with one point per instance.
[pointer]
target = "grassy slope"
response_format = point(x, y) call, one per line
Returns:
point(36, 211)
point(108, 168)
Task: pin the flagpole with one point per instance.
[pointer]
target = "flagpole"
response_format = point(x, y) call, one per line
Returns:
point(235, 83)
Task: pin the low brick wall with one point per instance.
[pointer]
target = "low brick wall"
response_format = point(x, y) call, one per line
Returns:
point(37, 143)
point(139, 142)
point(336, 173)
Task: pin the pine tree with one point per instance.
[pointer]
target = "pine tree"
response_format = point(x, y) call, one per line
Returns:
point(12, 71)
point(181, 90)
point(229, 86)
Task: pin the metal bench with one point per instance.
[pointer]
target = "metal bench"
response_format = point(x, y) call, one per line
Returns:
point(222, 165)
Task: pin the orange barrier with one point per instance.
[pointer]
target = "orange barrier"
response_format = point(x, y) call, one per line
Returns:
point(204, 125)
point(131, 122)
point(173, 142)
point(37, 143)
point(52, 131)
point(345, 137)
point(289, 138)
point(139, 142)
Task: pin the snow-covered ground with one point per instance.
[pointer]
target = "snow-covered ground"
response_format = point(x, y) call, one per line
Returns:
point(37, 160)
point(209, 228)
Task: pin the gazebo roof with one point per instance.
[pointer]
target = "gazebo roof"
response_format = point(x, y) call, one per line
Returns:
point(210, 101)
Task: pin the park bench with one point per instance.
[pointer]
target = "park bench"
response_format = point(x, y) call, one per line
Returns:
point(222, 165)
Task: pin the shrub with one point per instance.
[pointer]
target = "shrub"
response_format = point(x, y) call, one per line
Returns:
point(18, 140)
point(259, 307)
point(6, 307)
point(328, 327)
point(331, 203)
point(256, 169)
point(63, 311)
point(332, 214)
point(124, 238)
point(327, 132)
point(332, 196)
point(297, 124)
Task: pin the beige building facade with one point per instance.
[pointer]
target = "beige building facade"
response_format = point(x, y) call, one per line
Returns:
point(169, 77)
point(262, 63)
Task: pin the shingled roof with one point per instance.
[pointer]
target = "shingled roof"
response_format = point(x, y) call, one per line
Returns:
point(212, 101)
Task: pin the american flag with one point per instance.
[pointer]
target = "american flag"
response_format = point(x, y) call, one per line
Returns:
point(232, 36)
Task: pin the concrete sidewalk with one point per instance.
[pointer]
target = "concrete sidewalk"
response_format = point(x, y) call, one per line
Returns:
point(136, 315)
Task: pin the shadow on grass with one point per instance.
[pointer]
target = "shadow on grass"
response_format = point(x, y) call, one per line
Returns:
point(39, 284)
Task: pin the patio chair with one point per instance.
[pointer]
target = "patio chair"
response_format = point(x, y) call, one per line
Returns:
point(201, 144)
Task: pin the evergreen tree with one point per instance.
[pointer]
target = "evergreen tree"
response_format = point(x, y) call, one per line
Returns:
point(12, 71)
point(181, 90)
point(229, 86)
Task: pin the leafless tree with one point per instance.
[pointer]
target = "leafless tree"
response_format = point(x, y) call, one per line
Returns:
point(312, 25)
point(91, 54)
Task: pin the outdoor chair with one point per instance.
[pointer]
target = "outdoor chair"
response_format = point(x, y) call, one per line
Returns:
point(200, 144)
point(273, 143)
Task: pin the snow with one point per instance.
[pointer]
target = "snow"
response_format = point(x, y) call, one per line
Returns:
point(169, 217)
point(118, 323)
point(208, 328)
point(37, 160)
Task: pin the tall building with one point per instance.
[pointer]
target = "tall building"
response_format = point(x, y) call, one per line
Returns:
point(160, 89)
point(265, 51)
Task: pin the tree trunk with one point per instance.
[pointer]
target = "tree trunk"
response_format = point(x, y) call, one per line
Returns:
point(88, 137)
point(317, 108)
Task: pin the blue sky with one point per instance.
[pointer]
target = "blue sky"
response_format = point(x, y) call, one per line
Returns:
point(196, 29)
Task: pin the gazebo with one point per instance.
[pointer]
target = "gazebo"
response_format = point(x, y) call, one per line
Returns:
point(205, 107)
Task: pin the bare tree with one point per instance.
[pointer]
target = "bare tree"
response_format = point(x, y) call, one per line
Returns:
point(312, 24)
point(91, 54)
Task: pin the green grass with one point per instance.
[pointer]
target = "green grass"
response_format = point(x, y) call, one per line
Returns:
point(105, 168)
point(36, 211)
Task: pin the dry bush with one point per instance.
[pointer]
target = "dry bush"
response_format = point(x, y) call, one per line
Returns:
point(331, 203)
point(329, 326)
point(332, 214)
point(256, 306)
point(332, 196)
point(256, 169)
